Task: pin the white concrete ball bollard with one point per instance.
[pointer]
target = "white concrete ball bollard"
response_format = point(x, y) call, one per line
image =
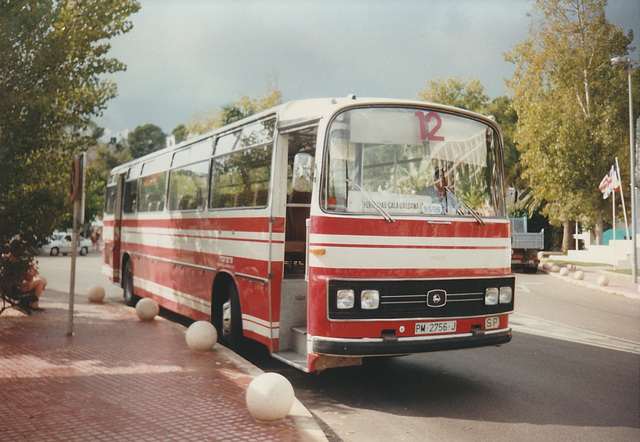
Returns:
point(603, 281)
point(564, 271)
point(201, 336)
point(579, 275)
point(147, 309)
point(270, 397)
point(96, 293)
point(555, 268)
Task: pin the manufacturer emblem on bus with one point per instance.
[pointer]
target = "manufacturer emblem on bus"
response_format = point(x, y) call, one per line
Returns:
point(436, 298)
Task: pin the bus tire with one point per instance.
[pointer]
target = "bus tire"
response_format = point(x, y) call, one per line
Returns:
point(127, 286)
point(232, 320)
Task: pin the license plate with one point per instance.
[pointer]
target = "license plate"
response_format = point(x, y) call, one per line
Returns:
point(428, 328)
point(491, 322)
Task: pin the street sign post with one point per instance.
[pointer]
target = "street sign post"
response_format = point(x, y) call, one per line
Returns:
point(77, 180)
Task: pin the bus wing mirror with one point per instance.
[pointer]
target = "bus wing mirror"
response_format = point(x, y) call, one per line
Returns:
point(302, 172)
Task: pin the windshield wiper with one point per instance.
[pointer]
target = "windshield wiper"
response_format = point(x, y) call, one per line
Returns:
point(375, 205)
point(473, 213)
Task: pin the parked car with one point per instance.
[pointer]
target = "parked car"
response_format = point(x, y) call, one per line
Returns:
point(61, 243)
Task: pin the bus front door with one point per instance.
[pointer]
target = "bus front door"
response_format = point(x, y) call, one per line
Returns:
point(114, 249)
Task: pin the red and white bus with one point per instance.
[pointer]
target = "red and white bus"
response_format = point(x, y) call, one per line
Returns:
point(330, 230)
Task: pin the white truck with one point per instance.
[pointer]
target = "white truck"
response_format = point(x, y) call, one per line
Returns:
point(525, 246)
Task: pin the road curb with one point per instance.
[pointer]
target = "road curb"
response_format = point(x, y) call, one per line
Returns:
point(583, 284)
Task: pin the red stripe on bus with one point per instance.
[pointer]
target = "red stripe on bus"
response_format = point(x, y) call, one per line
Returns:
point(406, 246)
point(406, 273)
point(408, 228)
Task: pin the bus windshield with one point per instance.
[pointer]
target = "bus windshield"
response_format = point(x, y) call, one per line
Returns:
point(409, 161)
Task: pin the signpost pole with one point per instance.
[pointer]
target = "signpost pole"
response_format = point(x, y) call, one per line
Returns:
point(77, 193)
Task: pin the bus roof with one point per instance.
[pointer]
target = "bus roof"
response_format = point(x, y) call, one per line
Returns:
point(299, 113)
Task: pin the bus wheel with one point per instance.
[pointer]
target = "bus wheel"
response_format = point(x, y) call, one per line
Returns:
point(127, 285)
point(232, 320)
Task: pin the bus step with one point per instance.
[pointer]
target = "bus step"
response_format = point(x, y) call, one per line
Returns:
point(300, 340)
point(294, 359)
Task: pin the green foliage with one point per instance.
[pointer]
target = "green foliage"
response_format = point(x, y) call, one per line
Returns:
point(146, 139)
point(465, 94)
point(502, 110)
point(180, 133)
point(205, 121)
point(52, 82)
point(570, 119)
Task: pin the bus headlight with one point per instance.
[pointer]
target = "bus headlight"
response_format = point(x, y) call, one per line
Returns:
point(345, 299)
point(506, 295)
point(491, 296)
point(369, 299)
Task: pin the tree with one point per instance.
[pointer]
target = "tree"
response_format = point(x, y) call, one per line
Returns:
point(205, 121)
point(52, 82)
point(465, 94)
point(180, 133)
point(502, 110)
point(146, 139)
point(570, 120)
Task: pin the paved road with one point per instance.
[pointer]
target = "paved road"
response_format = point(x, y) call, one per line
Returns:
point(570, 373)
point(56, 269)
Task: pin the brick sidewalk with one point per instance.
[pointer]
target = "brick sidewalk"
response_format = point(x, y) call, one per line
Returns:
point(118, 379)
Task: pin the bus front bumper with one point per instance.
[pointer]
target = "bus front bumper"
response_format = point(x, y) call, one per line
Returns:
point(408, 345)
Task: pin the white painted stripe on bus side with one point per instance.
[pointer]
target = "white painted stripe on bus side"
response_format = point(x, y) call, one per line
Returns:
point(240, 249)
point(173, 295)
point(194, 233)
point(409, 258)
point(246, 213)
point(249, 322)
point(454, 241)
point(107, 233)
point(259, 326)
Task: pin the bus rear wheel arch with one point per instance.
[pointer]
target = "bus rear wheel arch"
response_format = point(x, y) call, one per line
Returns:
point(127, 285)
point(226, 313)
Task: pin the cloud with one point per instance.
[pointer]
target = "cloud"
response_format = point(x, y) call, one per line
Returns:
point(200, 54)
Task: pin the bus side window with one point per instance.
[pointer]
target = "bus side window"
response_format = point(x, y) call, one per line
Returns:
point(110, 200)
point(241, 178)
point(152, 192)
point(130, 196)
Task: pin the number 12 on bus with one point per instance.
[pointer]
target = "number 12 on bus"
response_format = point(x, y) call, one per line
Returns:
point(329, 230)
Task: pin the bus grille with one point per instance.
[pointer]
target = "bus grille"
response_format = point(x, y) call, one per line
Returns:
point(415, 298)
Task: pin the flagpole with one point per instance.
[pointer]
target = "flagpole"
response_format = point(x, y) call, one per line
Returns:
point(624, 210)
point(613, 213)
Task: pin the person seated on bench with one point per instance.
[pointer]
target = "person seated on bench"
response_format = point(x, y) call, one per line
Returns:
point(33, 282)
point(28, 281)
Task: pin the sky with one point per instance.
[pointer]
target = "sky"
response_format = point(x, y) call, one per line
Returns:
point(188, 56)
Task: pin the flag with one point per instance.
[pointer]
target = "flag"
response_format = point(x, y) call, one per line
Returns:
point(610, 183)
point(615, 181)
point(605, 184)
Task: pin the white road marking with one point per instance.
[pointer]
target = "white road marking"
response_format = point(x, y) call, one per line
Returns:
point(540, 327)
